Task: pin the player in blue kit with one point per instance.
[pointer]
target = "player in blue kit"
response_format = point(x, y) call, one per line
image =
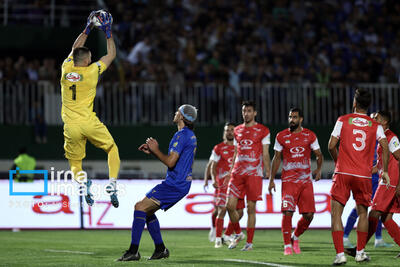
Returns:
point(351, 220)
point(176, 185)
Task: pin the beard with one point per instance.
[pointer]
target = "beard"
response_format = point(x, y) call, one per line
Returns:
point(229, 138)
point(293, 127)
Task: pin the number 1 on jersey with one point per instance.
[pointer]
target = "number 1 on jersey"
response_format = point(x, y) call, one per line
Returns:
point(73, 88)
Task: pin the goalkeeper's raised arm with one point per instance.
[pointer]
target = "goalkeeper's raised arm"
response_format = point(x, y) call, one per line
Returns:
point(106, 26)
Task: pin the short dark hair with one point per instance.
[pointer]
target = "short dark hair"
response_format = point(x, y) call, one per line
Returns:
point(386, 115)
point(230, 124)
point(80, 53)
point(249, 103)
point(363, 98)
point(298, 110)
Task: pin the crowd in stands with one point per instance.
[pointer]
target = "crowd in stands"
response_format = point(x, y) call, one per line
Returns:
point(261, 41)
point(232, 41)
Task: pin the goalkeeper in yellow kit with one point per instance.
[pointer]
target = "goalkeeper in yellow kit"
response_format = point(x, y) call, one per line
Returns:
point(78, 89)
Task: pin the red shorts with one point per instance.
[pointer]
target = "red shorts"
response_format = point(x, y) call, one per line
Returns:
point(385, 200)
point(298, 194)
point(360, 187)
point(240, 204)
point(221, 196)
point(249, 186)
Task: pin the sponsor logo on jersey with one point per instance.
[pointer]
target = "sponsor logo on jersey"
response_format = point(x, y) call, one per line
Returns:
point(360, 122)
point(175, 144)
point(287, 142)
point(297, 152)
point(73, 77)
point(396, 144)
point(246, 144)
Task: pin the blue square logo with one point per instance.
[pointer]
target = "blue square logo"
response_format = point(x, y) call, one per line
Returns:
point(45, 176)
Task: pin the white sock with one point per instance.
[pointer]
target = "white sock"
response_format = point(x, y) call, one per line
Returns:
point(340, 254)
point(378, 240)
point(360, 252)
point(218, 239)
point(287, 246)
point(294, 237)
point(345, 239)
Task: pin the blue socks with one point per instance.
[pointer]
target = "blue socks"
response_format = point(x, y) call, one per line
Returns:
point(351, 221)
point(153, 226)
point(139, 220)
point(154, 229)
point(378, 233)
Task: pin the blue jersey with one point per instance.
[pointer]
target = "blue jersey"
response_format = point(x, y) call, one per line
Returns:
point(184, 143)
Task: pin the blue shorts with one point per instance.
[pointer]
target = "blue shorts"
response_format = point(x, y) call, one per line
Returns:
point(375, 183)
point(165, 195)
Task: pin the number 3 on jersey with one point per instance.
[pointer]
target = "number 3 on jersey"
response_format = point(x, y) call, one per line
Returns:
point(360, 140)
point(73, 88)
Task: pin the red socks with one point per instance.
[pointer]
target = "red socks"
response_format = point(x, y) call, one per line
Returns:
point(213, 218)
point(219, 226)
point(236, 227)
point(250, 235)
point(286, 229)
point(229, 229)
point(361, 240)
point(337, 237)
point(393, 230)
point(302, 226)
point(372, 224)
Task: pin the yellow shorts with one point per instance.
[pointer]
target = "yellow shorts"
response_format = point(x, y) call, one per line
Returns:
point(76, 134)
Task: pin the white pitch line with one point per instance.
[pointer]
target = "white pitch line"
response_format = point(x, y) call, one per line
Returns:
point(257, 262)
point(69, 251)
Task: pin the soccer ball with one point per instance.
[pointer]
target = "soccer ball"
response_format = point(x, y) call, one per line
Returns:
point(95, 19)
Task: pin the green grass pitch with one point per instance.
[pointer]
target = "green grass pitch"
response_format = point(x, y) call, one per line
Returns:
point(187, 248)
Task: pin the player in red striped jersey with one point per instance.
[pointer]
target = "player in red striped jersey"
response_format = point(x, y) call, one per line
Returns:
point(207, 175)
point(251, 158)
point(357, 133)
point(387, 197)
point(221, 162)
point(295, 145)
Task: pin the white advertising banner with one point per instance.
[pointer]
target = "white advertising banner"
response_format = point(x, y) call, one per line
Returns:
point(194, 211)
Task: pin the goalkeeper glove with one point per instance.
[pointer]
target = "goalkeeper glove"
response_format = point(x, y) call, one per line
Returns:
point(89, 24)
point(106, 22)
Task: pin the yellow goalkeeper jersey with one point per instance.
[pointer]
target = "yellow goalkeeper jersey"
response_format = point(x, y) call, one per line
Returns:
point(78, 90)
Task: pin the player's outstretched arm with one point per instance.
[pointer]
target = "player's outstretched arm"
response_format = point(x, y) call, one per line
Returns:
point(276, 162)
point(266, 160)
point(81, 40)
point(332, 148)
point(229, 175)
point(169, 160)
point(320, 160)
point(385, 159)
point(213, 173)
point(207, 174)
point(111, 51)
